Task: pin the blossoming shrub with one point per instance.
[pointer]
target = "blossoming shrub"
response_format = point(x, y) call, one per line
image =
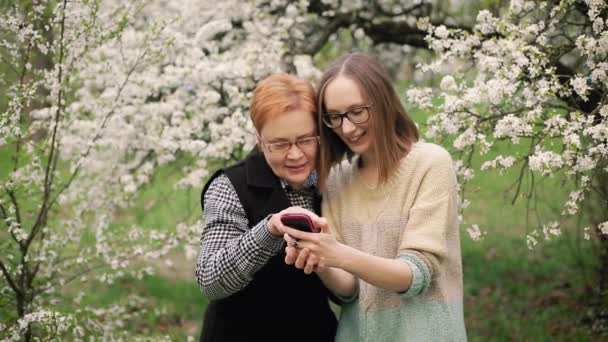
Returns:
point(513, 87)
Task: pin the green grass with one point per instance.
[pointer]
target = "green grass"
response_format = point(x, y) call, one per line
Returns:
point(160, 206)
point(172, 306)
point(511, 292)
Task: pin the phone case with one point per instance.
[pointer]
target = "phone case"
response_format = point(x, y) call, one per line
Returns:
point(301, 222)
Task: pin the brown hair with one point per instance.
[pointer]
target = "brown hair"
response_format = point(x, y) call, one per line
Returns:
point(394, 130)
point(278, 94)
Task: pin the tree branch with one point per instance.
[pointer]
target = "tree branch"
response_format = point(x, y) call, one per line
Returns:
point(424, 7)
point(50, 170)
point(26, 59)
point(395, 32)
point(98, 134)
point(380, 27)
point(11, 193)
point(10, 280)
point(565, 74)
point(3, 210)
point(317, 44)
point(15, 203)
point(71, 278)
point(522, 171)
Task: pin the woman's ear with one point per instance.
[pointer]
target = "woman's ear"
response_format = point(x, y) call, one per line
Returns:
point(258, 141)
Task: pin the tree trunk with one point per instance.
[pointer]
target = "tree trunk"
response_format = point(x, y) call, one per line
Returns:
point(600, 303)
point(598, 213)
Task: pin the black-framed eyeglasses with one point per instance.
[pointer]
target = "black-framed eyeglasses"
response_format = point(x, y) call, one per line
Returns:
point(304, 144)
point(357, 115)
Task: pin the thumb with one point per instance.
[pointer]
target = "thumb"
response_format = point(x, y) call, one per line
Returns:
point(322, 224)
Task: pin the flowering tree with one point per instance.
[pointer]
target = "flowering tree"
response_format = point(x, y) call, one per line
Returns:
point(540, 80)
point(67, 178)
point(101, 94)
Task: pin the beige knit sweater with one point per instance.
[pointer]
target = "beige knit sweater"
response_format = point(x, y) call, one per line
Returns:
point(412, 217)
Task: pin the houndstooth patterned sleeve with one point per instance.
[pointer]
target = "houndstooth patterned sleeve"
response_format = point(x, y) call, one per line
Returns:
point(230, 252)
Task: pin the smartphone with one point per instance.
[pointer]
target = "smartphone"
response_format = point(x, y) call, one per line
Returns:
point(301, 222)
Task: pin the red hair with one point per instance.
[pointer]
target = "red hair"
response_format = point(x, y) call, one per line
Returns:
point(278, 94)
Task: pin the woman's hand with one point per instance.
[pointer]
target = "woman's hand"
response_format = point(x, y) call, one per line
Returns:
point(313, 251)
point(301, 258)
point(276, 227)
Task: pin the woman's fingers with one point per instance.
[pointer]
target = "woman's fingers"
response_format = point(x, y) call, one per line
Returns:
point(320, 267)
point(298, 234)
point(298, 253)
point(317, 220)
point(291, 254)
point(276, 223)
point(323, 226)
point(310, 264)
point(301, 211)
point(288, 239)
point(302, 258)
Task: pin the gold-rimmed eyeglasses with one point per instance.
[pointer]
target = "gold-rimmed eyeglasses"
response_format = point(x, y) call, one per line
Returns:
point(304, 144)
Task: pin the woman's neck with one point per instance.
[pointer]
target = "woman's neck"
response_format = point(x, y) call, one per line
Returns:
point(295, 186)
point(367, 161)
point(369, 171)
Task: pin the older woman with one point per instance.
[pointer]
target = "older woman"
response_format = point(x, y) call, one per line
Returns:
point(241, 266)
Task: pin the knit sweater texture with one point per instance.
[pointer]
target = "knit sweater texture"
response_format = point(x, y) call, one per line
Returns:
point(412, 217)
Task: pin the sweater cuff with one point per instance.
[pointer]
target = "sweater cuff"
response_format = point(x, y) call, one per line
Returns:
point(345, 300)
point(421, 276)
point(264, 238)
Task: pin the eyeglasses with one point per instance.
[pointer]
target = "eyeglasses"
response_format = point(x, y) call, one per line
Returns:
point(357, 115)
point(305, 144)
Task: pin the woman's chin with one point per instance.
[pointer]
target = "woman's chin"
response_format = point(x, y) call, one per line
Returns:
point(359, 148)
point(297, 176)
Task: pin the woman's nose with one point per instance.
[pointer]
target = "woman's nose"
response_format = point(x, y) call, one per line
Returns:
point(347, 126)
point(294, 152)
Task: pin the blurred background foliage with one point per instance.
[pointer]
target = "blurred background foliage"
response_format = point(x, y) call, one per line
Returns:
point(511, 292)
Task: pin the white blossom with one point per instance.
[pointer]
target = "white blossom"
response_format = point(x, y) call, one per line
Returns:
point(586, 234)
point(580, 86)
point(442, 32)
point(475, 233)
point(500, 161)
point(420, 97)
point(545, 161)
point(512, 127)
point(485, 22)
point(448, 83)
point(462, 171)
point(603, 228)
point(551, 230)
point(532, 239)
point(305, 68)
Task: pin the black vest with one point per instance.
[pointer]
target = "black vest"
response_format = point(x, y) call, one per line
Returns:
point(281, 303)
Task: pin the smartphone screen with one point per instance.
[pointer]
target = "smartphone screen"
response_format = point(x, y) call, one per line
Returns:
point(301, 222)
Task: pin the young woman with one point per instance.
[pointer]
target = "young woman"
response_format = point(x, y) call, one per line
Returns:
point(240, 266)
point(390, 223)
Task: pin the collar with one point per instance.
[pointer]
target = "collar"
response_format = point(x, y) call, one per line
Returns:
point(309, 184)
